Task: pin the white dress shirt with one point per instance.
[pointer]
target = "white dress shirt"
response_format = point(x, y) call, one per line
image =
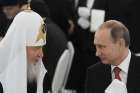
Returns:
point(124, 66)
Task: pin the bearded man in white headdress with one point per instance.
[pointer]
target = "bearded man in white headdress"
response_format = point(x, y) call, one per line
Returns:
point(21, 67)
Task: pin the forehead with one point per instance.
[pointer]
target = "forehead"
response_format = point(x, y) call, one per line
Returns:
point(102, 36)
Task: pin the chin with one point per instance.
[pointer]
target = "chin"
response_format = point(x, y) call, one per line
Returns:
point(105, 62)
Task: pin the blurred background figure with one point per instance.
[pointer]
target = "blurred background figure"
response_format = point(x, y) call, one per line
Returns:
point(9, 9)
point(56, 38)
point(60, 12)
point(84, 51)
point(3, 23)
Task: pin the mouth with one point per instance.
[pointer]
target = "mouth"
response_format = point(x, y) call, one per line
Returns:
point(102, 58)
point(36, 60)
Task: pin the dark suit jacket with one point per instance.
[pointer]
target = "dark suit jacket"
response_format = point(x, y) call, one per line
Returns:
point(125, 11)
point(99, 77)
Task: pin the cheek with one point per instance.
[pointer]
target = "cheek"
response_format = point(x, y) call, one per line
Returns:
point(108, 53)
point(30, 55)
point(114, 53)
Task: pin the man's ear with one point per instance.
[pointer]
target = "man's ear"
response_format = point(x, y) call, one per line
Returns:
point(121, 42)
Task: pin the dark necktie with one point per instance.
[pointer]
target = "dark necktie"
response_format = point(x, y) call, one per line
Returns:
point(117, 72)
point(31, 87)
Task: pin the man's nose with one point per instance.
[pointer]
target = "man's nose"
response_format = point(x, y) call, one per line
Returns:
point(98, 53)
point(40, 52)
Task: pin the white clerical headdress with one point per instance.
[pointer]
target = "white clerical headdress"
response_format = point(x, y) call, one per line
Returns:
point(27, 29)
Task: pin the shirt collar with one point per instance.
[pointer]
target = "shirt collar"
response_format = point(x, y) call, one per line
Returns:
point(124, 64)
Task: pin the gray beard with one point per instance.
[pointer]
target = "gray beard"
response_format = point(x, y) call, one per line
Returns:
point(33, 72)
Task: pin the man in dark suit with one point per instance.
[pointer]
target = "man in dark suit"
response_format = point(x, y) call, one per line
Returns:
point(112, 42)
point(125, 11)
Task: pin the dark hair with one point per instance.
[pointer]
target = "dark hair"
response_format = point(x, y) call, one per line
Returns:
point(118, 30)
point(12, 2)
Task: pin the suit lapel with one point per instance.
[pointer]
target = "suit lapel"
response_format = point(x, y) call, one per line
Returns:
point(108, 78)
point(102, 78)
point(131, 80)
